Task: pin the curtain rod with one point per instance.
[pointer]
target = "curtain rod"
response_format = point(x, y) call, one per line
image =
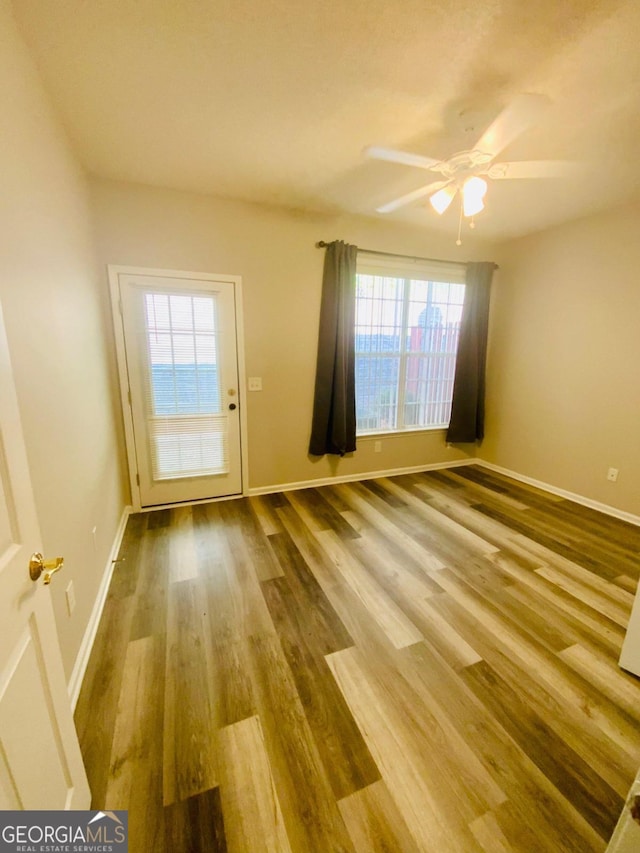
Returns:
point(322, 245)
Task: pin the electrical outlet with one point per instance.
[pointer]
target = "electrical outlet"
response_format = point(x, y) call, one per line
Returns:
point(612, 475)
point(377, 447)
point(254, 383)
point(71, 597)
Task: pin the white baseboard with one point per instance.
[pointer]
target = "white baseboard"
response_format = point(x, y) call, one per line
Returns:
point(349, 478)
point(82, 659)
point(563, 493)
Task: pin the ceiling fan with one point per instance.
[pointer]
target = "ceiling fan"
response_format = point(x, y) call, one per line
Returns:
point(466, 170)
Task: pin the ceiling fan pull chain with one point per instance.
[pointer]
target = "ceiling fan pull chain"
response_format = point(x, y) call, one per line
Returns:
point(459, 241)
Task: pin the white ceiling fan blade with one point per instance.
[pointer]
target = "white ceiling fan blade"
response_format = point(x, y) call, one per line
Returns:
point(406, 158)
point(421, 192)
point(533, 169)
point(512, 121)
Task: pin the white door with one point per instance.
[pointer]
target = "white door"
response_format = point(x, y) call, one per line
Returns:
point(40, 762)
point(630, 654)
point(179, 341)
point(626, 836)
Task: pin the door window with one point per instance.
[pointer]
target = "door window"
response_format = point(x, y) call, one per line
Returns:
point(186, 423)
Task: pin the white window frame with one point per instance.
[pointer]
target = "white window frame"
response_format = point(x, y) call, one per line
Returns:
point(407, 269)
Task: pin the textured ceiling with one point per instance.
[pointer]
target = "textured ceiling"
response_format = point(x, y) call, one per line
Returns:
point(274, 100)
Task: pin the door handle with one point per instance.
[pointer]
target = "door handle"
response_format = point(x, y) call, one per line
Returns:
point(38, 565)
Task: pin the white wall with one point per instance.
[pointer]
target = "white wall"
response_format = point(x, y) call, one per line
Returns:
point(563, 381)
point(56, 313)
point(274, 252)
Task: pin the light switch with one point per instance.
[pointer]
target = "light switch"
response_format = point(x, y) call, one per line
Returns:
point(255, 383)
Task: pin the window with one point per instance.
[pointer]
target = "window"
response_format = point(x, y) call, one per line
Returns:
point(406, 338)
point(185, 419)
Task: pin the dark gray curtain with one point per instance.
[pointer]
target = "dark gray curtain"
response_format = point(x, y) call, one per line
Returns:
point(334, 407)
point(467, 410)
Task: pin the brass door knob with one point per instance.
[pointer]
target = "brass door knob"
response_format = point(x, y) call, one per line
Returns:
point(38, 565)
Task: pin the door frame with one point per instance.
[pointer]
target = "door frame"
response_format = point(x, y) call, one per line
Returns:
point(114, 273)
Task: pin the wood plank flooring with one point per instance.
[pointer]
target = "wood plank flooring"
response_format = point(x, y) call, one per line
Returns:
point(418, 663)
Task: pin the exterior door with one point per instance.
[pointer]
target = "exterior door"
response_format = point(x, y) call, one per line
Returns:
point(179, 340)
point(40, 762)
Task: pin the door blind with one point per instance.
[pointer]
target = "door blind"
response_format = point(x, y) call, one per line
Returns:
point(186, 425)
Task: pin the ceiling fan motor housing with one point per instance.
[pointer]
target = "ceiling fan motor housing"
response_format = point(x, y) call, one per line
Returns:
point(463, 163)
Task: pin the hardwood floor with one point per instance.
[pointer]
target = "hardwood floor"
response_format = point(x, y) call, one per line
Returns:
point(419, 663)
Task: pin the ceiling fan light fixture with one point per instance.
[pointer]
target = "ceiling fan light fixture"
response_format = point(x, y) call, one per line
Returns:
point(441, 200)
point(473, 193)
